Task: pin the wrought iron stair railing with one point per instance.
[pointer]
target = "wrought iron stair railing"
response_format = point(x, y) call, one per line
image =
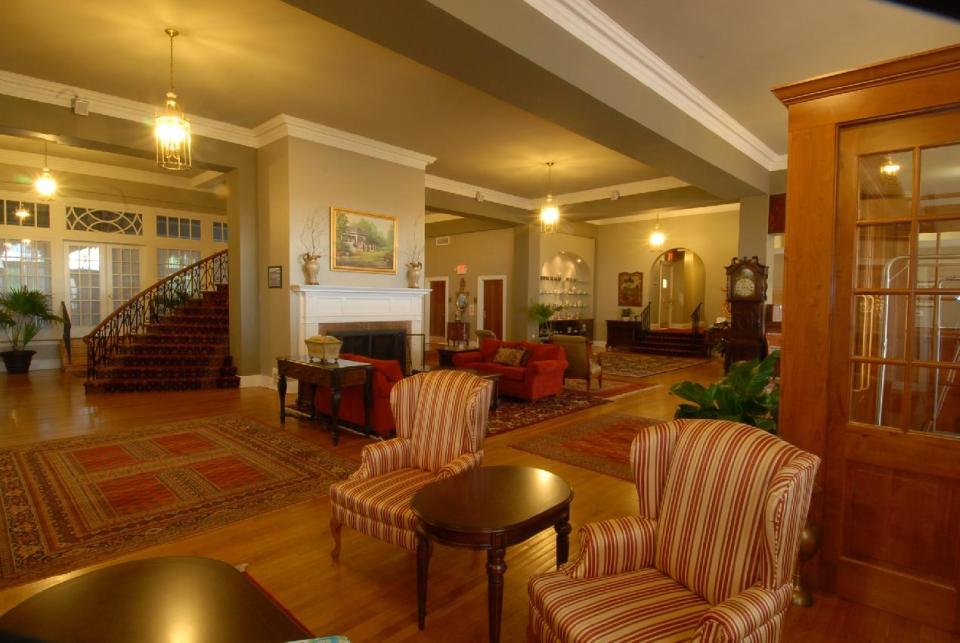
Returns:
point(130, 319)
point(696, 317)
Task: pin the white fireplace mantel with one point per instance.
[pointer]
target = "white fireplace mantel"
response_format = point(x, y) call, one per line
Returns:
point(330, 304)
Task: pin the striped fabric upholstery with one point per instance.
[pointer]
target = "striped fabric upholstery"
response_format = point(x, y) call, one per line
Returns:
point(711, 524)
point(375, 499)
point(613, 547)
point(450, 417)
point(730, 501)
point(650, 456)
point(644, 606)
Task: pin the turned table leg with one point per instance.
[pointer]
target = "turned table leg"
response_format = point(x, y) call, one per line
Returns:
point(495, 570)
point(423, 563)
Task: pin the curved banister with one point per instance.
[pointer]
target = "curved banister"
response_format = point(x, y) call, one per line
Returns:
point(131, 318)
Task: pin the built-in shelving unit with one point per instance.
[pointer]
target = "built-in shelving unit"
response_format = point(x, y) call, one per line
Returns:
point(566, 285)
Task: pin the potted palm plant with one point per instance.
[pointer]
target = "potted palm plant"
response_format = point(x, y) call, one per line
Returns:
point(542, 314)
point(22, 314)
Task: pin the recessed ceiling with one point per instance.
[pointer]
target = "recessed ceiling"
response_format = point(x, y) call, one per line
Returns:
point(734, 52)
point(244, 62)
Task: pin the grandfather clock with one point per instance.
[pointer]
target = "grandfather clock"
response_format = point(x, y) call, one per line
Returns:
point(746, 293)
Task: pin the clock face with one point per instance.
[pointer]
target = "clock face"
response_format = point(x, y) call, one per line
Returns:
point(744, 287)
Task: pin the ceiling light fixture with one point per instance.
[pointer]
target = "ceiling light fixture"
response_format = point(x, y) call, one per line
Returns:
point(171, 129)
point(657, 237)
point(890, 168)
point(549, 213)
point(21, 212)
point(45, 184)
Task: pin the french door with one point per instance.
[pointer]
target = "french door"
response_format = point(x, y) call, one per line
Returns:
point(99, 278)
point(892, 521)
point(665, 292)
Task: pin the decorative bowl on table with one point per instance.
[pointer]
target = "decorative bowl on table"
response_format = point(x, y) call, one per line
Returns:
point(323, 348)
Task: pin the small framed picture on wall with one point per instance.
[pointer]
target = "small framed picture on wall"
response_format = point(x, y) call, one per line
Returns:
point(274, 276)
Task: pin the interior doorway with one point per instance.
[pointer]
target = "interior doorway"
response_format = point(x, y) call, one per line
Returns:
point(492, 302)
point(438, 308)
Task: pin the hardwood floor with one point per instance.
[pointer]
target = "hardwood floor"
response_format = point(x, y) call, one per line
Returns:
point(370, 594)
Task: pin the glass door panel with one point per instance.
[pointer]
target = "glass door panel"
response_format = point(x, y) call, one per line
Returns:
point(938, 181)
point(883, 256)
point(85, 281)
point(124, 274)
point(885, 185)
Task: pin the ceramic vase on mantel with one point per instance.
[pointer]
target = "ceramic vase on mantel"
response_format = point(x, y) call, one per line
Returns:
point(414, 270)
point(311, 265)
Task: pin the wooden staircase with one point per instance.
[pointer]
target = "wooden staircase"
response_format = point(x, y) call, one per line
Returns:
point(173, 336)
point(675, 343)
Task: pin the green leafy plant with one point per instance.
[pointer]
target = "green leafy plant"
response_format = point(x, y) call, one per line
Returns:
point(746, 394)
point(541, 312)
point(626, 312)
point(22, 315)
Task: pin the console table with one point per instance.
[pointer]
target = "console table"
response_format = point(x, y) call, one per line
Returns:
point(333, 376)
point(623, 334)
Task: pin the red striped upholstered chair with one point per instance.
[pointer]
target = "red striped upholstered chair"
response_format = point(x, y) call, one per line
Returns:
point(441, 421)
point(709, 558)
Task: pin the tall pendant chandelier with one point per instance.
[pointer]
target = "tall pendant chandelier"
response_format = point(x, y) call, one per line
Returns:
point(657, 237)
point(171, 129)
point(549, 213)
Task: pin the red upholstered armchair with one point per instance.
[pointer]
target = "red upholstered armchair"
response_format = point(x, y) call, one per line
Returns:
point(441, 421)
point(386, 373)
point(539, 376)
point(709, 558)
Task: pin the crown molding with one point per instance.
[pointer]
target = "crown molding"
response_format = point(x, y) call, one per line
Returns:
point(53, 93)
point(583, 20)
point(668, 214)
point(283, 125)
point(465, 189)
point(624, 189)
point(89, 168)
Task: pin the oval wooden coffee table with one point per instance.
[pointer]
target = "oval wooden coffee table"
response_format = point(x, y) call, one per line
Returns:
point(490, 508)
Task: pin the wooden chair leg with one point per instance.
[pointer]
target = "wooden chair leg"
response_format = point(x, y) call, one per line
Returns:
point(335, 527)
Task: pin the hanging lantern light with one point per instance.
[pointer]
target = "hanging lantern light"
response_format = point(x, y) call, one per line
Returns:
point(45, 184)
point(22, 213)
point(657, 237)
point(549, 213)
point(171, 129)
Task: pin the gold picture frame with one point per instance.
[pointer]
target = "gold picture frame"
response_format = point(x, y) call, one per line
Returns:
point(363, 241)
point(630, 289)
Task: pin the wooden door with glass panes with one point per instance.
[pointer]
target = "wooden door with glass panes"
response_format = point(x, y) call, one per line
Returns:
point(893, 473)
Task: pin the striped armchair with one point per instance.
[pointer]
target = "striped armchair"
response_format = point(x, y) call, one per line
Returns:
point(709, 558)
point(441, 421)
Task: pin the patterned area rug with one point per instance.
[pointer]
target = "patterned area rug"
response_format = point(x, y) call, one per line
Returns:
point(602, 444)
point(72, 502)
point(613, 389)
point(514, 414)
point(640, 365)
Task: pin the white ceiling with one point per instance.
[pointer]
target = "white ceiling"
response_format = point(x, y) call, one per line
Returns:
point(244, 61)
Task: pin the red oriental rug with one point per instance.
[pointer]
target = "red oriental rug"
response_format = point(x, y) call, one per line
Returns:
point(612, 389)
point(73, 502)
point(601, 444)
point(514, 414)
point(642, 365)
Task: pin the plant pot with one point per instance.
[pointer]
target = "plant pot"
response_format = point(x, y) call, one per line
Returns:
point(311, 266)
point(17, 361)
point(413, 274)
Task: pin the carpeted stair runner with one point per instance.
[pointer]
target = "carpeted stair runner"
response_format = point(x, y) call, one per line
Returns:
point(186, 350)
point(673, 343)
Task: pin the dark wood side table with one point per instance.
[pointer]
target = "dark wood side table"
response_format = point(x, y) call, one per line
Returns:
point(446, 353)
point(153, 600)
point(333, 376)
point(490, 508)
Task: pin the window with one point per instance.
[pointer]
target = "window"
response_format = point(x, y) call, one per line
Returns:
point(178, 228)
point(170, 260)
point(25, 263)
point(219, 231)
point(39, 214)
point(94, 220)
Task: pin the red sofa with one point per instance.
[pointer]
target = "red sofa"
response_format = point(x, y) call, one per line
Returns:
point(386, 373)
point(540, 376)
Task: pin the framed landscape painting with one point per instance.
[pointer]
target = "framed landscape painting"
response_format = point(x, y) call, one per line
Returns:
point(630, 289)
point(363, 241)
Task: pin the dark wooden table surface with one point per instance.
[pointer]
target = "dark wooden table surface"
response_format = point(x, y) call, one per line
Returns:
point(490, 508)
point(333, 376)
point(176, 598)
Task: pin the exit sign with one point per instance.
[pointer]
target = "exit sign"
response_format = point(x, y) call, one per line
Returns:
point(462, 269)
